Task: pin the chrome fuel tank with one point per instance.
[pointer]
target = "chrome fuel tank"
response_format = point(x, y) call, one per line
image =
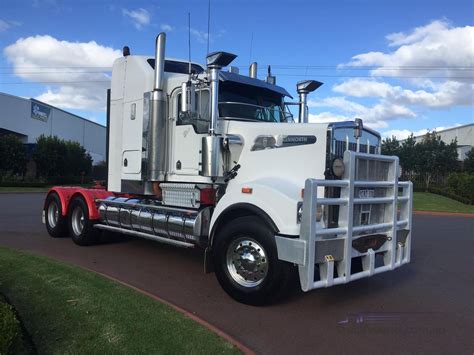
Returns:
point(152, 219)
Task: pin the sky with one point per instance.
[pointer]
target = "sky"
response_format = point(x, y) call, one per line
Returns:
point(402, 66)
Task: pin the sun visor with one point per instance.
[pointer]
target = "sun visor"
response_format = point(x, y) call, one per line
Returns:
point(245, 80)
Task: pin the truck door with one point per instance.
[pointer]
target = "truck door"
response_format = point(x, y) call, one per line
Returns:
point(188, 130)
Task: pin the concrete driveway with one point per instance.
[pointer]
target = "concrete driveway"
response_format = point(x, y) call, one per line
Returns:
point(426, 306)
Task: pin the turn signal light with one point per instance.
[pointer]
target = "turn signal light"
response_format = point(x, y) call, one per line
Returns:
point(247, 190)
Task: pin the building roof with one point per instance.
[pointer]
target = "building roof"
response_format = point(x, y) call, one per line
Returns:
point(450, 129)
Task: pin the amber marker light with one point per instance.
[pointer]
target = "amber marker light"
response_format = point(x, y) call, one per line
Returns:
point(247, 190)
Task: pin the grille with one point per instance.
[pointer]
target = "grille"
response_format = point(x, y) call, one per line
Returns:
point(342, 139)
point(371, 170)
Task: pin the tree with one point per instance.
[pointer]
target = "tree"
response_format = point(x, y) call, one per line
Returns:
point(391, 146)
point(79, 161)
point(58, 158)
point(408, 156)
point(469, 162)
point(13, 157)
point(50, 156)
point(435, 157)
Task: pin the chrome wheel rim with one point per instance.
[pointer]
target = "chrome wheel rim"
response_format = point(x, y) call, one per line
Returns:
point(53, 214)
point(247, 262)
point(77, 221)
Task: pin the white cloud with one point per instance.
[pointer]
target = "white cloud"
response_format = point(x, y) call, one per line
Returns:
point(6, 25)
point(167, 28)
point(375, 116)
point(419, 33)
point(405, 133)
point(440, 54)
point(436, 49)
point(201, 36)
point(78, 71)
point(443, 95)
point(140, 17)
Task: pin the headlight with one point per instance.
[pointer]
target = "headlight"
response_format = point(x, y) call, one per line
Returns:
point(299, 212)
point(338, 167)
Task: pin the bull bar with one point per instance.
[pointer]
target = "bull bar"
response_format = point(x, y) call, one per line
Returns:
point(329, 249)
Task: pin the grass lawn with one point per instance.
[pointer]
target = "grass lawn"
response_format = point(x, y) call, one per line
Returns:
point(69, 310)
point(425, 201)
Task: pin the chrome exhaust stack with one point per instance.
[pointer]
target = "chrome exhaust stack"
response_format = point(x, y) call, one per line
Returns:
point(156, 150)
point(253, 70)
point(304, 88)
point(212, 144)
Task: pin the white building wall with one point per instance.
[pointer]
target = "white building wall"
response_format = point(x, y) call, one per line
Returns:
point(16, 116)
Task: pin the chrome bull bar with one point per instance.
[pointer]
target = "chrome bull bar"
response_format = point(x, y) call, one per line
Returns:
point(330, 250)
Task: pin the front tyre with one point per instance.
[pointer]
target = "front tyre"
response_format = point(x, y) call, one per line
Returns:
point(246, 262)
point(56, 223)
point(81, 228)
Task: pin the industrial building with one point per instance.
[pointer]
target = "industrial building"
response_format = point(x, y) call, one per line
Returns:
point(29, 118)
point(464, 135)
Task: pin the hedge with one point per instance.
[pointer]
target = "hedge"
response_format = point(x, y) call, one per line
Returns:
point(458, 186)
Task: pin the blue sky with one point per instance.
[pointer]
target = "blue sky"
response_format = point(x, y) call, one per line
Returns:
point(400, 65)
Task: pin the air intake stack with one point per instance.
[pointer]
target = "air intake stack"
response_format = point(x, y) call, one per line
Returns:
point(212, 145)
point(304, 88)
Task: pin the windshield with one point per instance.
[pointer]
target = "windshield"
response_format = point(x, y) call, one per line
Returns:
point(246, 102)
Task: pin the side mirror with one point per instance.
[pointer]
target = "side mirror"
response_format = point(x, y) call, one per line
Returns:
point(188, 97)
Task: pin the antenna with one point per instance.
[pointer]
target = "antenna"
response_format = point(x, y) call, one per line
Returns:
point(208, 23)
point(251, 45)
point(189, 41)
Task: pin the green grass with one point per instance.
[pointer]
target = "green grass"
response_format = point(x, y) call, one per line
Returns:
point(425, 201)
point(68, 310)
point(23, 189)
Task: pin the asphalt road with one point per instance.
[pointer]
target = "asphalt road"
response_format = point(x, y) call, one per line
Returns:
point(426, 306)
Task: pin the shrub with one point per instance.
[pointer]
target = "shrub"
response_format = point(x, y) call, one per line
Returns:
point(461, 184)
point(10, 331)
point(12, 155)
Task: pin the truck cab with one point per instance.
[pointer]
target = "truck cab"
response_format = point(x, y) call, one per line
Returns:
point(200, 156)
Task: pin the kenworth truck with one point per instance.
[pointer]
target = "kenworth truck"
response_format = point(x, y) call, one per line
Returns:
point(204, 157)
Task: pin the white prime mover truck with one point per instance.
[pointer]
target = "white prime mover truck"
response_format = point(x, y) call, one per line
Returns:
point(204, 157)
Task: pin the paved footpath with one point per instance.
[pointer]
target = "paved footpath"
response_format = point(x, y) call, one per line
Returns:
point(425, 306)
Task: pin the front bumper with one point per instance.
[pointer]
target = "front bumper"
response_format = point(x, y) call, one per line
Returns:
point(325, 255)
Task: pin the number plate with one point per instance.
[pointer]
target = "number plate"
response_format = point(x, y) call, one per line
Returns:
point(366, 193)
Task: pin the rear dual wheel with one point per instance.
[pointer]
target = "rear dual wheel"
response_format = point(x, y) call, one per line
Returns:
point(56, 223)
point(81, 228)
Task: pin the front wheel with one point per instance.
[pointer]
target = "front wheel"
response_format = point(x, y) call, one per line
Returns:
point(81, 228)
point(246, 262)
